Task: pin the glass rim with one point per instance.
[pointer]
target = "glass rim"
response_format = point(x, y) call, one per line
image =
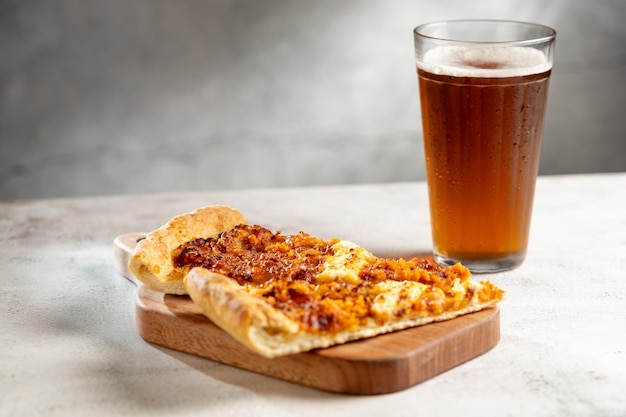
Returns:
point(550, 32)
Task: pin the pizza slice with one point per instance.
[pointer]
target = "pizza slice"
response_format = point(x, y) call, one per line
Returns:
point(151, 261)
point(281, 295)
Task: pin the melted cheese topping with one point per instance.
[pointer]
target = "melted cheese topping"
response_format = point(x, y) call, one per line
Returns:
point(345, 264)
point(333, 285)
point(395, 298)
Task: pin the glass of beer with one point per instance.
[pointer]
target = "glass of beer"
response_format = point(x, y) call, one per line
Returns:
point(483, 88)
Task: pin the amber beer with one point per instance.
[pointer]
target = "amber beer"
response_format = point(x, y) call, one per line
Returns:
point(482, 115)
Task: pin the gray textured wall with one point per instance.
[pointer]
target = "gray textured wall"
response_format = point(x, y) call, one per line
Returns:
point(102, 97)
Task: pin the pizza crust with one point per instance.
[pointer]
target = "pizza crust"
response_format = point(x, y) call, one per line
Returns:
point(151, 261)
point(268, 331)
point(247, 318)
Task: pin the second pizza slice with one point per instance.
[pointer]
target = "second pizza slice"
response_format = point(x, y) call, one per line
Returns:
point(281, 295)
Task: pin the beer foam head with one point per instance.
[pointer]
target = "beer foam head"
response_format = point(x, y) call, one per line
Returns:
point(460, 61)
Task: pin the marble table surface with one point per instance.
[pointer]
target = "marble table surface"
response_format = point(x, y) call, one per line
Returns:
point(68, 343)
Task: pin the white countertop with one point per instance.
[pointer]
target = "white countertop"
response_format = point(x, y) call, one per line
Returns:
point(68, 344)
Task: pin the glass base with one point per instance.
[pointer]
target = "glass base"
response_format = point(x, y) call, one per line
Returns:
point(485, 266)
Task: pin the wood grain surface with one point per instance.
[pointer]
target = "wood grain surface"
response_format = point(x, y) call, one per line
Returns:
point(382, 364)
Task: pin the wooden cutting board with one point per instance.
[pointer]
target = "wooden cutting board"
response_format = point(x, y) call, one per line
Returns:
point(382, 364)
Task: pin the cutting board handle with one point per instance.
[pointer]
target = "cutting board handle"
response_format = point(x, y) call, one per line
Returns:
point(123, 246)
